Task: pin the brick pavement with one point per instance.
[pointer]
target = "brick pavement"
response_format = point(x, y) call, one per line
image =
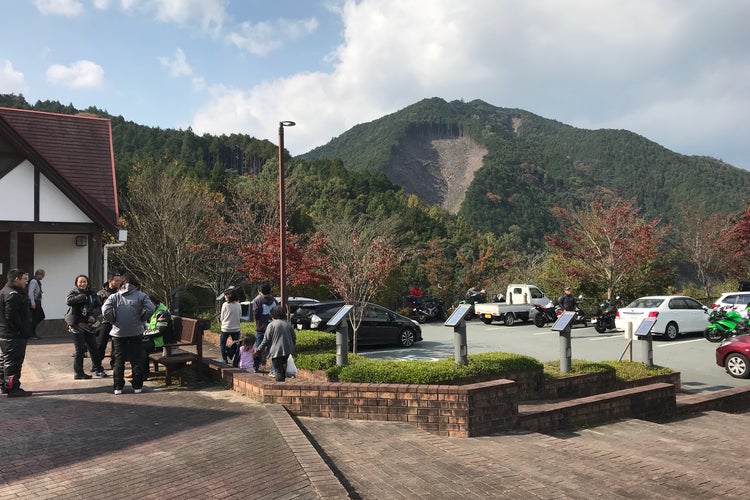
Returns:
point(74, 439)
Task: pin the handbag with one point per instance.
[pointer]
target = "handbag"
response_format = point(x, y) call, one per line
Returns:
point(291, 368)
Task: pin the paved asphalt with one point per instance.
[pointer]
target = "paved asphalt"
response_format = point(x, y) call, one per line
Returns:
point(75, 439)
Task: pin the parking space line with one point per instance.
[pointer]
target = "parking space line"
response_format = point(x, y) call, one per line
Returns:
point(673, 344)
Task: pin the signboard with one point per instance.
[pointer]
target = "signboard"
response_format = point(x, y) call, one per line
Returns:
point(340, 314)
point(645, 327)
point(458, 315)
point(564, 321)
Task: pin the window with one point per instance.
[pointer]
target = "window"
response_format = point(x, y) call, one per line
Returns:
point(536, 293)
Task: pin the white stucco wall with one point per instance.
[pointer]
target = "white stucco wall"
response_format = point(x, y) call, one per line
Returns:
point(17, 186)
point(62, 260)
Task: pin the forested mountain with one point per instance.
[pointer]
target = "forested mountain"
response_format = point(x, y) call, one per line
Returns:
point(500, 169)
point(503, 169)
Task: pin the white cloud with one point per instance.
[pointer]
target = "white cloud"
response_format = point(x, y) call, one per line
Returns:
point(101, 4)
point(210, 15)
point(178, 66)
point(11, 81)
point(263, 37)
point(66, 8)
point(79, 75)
point(663, 65)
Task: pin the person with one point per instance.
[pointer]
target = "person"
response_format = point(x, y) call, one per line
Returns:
point(415, 295)
point(279, 339)
point(127, 310)
point(103, 339)
point(231, 310)
point(567, 301)
point(15, 328)
point(35, 301)
point(160, 328)
point(81, 318)
point(261, 308)
point(474, 295)
point(244, 357)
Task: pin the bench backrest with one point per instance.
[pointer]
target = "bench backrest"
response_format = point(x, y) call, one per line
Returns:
point(188, 331)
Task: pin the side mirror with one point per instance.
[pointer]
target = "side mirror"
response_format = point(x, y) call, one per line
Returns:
point(391, 317)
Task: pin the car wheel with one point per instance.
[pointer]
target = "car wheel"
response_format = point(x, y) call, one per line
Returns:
point(737, 365)
point(406, 339)
point(539, 320)
point(509, 319)
point(672, 332)
point(486, 321)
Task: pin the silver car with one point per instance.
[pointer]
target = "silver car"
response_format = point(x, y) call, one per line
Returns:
point(674, 314)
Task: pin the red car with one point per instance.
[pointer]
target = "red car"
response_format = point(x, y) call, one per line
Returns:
point(734, 355)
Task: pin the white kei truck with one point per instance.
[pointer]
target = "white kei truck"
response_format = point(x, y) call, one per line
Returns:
point(518, 305)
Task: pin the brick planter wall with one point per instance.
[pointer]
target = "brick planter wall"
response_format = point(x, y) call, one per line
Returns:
point(449, 410)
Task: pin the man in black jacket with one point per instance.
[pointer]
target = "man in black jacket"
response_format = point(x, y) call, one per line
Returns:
point(15, 327)
point(567, 301)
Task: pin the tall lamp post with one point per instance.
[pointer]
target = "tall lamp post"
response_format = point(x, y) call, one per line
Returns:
point(282, 215)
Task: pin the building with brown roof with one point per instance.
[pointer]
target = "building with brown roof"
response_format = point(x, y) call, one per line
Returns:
point(58, 199)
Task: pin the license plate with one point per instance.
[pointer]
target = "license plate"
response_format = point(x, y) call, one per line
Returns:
point(488, 316)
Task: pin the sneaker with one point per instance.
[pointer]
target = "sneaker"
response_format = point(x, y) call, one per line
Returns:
point(137, 391)
point(18, 393)
point(82, 376)
point(101, 373)
point(118, 391)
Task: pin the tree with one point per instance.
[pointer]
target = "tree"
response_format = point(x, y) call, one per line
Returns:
point(360, 255)
point(261, 260)
point(607, 241)
point(166, 215)
point(703, 245)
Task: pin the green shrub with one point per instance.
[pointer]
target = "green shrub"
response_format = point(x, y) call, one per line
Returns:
point(624, 370)
point(434, 372)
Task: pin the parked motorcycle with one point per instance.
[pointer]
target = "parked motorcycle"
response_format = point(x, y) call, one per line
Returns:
point(429, 310)
point(723, 324)
point(604, 317)
point(581, 318)
point(473, 297)
point(545, 314)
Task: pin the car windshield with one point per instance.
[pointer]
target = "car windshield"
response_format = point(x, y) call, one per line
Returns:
point(646, 303)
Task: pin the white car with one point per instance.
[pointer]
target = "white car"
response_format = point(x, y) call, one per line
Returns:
point(735, 301)
point(675, 315)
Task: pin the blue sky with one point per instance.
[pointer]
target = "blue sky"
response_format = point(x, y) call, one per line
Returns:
point(674, 71)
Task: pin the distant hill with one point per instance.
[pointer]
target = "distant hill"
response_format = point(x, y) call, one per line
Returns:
point(503, 169)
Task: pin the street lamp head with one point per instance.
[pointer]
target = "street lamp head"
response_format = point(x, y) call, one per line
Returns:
point(287, 123)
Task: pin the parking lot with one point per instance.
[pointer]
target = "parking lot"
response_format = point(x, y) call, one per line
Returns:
point(691, 355)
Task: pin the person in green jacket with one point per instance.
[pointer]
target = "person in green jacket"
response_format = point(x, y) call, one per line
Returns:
point(159, 330)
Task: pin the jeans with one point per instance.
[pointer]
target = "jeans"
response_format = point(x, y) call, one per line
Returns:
point(132, 349)
point(223, 342)
point(84, 341)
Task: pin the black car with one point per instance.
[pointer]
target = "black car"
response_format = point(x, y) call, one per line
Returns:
point(380, 326)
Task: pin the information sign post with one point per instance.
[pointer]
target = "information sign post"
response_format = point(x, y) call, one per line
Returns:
point(644, 334)
point(456, 320)
point(563, 325)
point(342, 334)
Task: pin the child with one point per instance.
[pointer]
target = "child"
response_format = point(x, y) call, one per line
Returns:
point(245, 354)
point(230, 320)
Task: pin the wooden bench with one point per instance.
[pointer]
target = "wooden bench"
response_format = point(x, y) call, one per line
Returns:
point(188, 332)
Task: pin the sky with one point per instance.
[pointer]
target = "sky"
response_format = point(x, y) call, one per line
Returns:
point(674, 71)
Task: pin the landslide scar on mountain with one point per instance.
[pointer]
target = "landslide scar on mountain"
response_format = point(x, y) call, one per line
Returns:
point(437, 169)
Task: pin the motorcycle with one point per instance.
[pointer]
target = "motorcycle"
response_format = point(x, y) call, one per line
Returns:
point(429, 309)
point(545, 314)
point(604, 317)
point(581, 318)
point(723, 324)
point(474, 297)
